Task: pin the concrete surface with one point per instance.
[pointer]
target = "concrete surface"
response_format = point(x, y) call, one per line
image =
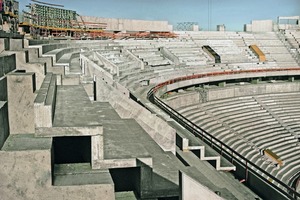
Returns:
point(4, 125)
point(133, 136)
point(127, 108)
point(20, 92)
point(114, 24)
point(123, 138)
point(198, 192)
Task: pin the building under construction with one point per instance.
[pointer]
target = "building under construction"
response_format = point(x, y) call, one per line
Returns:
point(46, 19)
point(9, 15)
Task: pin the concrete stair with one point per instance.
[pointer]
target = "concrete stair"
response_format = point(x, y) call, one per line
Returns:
point(80, 174)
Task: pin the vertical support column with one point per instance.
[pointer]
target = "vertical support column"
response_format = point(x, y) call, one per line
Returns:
point(82, 65)
point(222, 84)
point(16, 44)
point(246, 175)
point(145, 186)
point(255, 81)
point(118, 71)
point(291, 78)
point(20, 93)
point(97, 150)
point(95, 88)
point(4, 126)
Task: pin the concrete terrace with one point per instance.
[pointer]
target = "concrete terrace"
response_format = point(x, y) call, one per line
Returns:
point(85, 122)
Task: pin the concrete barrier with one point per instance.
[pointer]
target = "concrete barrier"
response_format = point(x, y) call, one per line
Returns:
point(192, 189)
point(246, 90)
point(187, 83)
point(35, 180)
point(183, 100)
point(3, 88)
point(4, 126)
point(114, 69)
point(126, 52)
point(168, 54)
point(44, 103)
point(4, 44)
point(20, 95)
point(16, 44)
point(7, 64)
point(156, 127)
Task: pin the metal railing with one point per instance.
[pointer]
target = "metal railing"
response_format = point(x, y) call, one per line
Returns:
point(217, 144)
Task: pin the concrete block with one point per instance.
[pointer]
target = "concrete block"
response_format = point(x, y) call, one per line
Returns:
point(16, 44)
point(21, 57)
point(157, 128)
point(222, 84)
point(71, 80)
point(44, 102)
point(115, 163)
point(3, 88)
point(97, 150)
point(33, 54)
point(4, 126)
point(192, 189)
point(89, 88)
point(292, 78)
point(20, 92)
point(43, 115)
point(69, 131)
point(7, 64)
point(183, 100)
point(255, 81)
point(168, 54)
point(4, 44)
point(145, 185)
point(31, 172)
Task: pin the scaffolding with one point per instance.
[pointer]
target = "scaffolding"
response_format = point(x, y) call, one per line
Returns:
point(186, 26)
point(45, 19)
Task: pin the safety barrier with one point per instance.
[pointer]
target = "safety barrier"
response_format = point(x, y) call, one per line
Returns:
point(217, 144)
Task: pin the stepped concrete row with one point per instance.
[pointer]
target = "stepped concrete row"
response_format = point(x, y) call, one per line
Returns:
point(57, 91)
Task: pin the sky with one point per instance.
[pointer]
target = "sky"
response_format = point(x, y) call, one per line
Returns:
point(233, 13)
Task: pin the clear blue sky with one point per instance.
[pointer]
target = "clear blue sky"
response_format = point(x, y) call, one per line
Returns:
point(233, 13)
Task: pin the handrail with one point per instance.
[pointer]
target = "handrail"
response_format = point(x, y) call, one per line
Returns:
point(196, 130)
point(196, 76)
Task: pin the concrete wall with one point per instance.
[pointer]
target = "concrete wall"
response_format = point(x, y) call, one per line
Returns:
point(7, 64)
point(27, 175)
point(262, 25)
point(192, 189)
point(222, 93)
point(4, 126)
point(182, 100)
point(4, 44)
point(38, 68)
point(248, 27)
point(157, 128)
point(170, 55)
point(3, 88)
point(186, 83)
point(118, 96)
point(20, 92)
point(114, 24)
point(190, 98)
point(16, 44)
